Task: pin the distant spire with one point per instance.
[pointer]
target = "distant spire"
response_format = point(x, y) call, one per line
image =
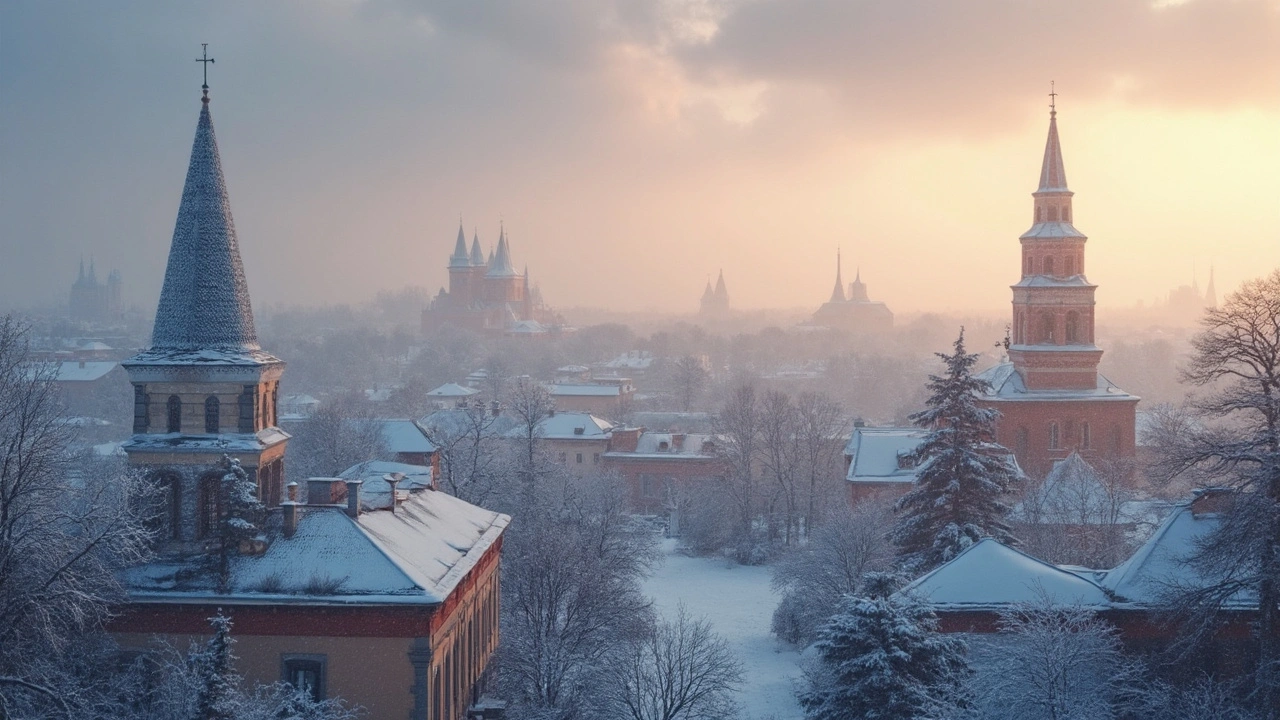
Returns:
point(81, 268)
point(722, 292)
point(206, 61)
point(837, 295)
point(858, 290)
point(204, 303)
point(1053, 175)
point(477, 254)
point(459, 258)
point(1210, 292)
point(501, 265)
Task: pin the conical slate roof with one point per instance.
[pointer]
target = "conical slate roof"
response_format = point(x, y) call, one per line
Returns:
point(837, 295)
point(477, 255)
point(459, 258)
point(1053, 176)
point(501, 266)
point(204, 304)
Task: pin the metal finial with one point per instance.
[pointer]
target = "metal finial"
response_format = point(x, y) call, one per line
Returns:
point(206, 60)
point(1053, 99)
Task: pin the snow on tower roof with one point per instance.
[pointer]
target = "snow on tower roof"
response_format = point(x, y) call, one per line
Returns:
point(1006, 382)
point(204, 304)
point(1053, 175)
point(460, 258)
point(991, 576)
point(502, 266)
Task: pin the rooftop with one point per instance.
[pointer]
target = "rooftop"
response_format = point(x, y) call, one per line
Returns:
point(1007, 384)
point(876, 454)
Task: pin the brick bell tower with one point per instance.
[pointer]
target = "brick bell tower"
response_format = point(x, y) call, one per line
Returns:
point(1051, 396)
point(205, 388)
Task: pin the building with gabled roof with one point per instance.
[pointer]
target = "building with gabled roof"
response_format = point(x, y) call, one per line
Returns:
point(1050, 395)
point(877, 460)
point(855, 312)
point(375, 587)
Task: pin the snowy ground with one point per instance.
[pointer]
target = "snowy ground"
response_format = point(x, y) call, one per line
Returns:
point(739, 602)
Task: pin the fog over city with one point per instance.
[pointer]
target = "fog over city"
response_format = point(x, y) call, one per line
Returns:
point(633, 149)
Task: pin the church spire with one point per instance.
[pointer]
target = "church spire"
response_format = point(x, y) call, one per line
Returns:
point(1053, 175)
point(837, 295)
point(1210, 292)
point(477, 254)
point(204, 303)
point(460, 258)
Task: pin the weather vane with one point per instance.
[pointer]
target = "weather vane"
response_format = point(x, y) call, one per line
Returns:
point(1053, 98)
point(206, 60)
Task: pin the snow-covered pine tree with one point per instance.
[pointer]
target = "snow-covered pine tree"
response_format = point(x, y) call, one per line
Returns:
point(882, 657)
point(218, 695)
point(962, 473)
point(242, 514)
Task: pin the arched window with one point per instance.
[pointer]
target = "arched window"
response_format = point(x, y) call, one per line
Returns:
point(1054, 440)
point(1023, 443)
point(210, 506)
point(1046, 328)
point(1066, 214)
point(1048, 266)
point(175, 414)
point(1086, 437)
point(1073, 327)
point(1038, 214)
point(211, 406)
point(1117, 438)
point(1053, 213)
point(1070, 266)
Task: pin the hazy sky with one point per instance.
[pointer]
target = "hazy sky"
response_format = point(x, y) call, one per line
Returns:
point(634, 148)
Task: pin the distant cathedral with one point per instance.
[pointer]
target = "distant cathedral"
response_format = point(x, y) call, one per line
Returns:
point(489, 295)
point(715, 302)
point(855, 312)
point(94, 301)
point(1051, 398)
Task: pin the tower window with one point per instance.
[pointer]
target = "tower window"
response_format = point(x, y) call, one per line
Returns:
point(1073, 327)
point(1066, 214)
point(1048, 266)
point(1046, 328)
point(1053, 214)
point(1027, 268)
point(211, 407)
point(1086, 437)
point(1039, 213)
point(1070, 266)
point(1054, 440)
point(175, 414)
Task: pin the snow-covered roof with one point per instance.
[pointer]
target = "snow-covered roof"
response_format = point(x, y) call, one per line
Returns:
point(585, 389)
point(205, 357)
point(454, 419)
point(302, 399)
point(526, 327)
point(991, 576)
point(1160, 564)
point(633, 360)
point(662, 445)
point(1074, 281)
point(225, 442)
point(452, 390)
point(570, 426)
point(204, 303)
point(1052, 231)
point(404, 436)
point(96, 346)
point(375, 492)
point(1007, 384)
point(414, 556)
point(82, 372)
point(875, 454)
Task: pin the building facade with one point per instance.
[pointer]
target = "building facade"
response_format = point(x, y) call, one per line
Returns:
point(854, 312)
point(715, 302)
point(489, 295)
point(94, 301)
point(1049, 392)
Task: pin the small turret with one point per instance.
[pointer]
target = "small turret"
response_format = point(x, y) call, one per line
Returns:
point(837, 295)
point(460, 258)
point(477, 255)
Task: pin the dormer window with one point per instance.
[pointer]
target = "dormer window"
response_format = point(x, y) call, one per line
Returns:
point(580, 431)
point(664, 446)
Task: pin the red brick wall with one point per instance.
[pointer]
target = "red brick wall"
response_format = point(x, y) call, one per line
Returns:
point(1110, 423)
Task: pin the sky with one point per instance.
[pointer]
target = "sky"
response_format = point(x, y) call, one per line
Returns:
point(634, 149)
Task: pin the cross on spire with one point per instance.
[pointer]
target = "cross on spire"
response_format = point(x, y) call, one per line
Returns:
point(1053, 99)
point(206, 60)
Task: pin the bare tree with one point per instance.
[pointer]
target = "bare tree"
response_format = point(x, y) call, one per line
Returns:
point(821, 435)
point(813, 577)
point(530, 404)
point(1237, 358)
point(780, 454)
point(1050, 662)
point(1075, 515)
point(63, 534)
point(738, 426)
point(688, 379)
point(681, 670)
point(469, 451)
point(342, 432)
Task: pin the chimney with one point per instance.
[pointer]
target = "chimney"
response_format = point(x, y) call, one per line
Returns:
point(353, 497)
point(677, 441)
point(324, 491)
point(292, 489)
point(393, 479)
point(625, 439)
point(289, 509)
point(82, 364)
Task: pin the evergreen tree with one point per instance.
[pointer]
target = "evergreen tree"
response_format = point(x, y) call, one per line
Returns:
point(882, 657)
point(962, 473)
point(218, 694)
point(242, 514)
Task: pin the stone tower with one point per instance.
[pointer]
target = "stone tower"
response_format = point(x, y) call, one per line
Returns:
point(204, 389)
point(1050, 394)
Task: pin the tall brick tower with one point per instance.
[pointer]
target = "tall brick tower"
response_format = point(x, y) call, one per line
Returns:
point(205, 388)
point(1051, 396)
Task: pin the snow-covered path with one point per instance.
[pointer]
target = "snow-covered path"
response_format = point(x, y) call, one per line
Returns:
point(739, 603)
